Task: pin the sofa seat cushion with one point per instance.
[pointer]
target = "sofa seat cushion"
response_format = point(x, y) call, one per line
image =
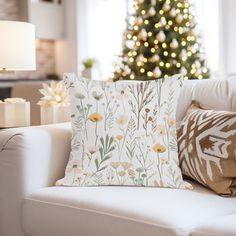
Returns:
point(222, 226)
point(116, 211)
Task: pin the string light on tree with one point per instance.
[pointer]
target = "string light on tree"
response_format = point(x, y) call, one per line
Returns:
point(161, 40)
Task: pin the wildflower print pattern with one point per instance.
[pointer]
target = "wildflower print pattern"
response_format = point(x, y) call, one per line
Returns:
point(124, 133)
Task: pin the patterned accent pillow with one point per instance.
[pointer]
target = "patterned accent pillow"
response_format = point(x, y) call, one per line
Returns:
point(124, 133)
point(207, 148)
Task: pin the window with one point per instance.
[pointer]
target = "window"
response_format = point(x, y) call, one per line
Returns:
point(207, 18)
point(106, 24)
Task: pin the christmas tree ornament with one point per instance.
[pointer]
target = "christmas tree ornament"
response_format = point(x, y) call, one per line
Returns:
point(151, 11)
point(174, 44)
point(161, 36)
point(166, 7)
point(130, 44)
point(172, 12)
point(199, 71)
point(143, 34)
point(163, 21)
point(197, 64)
point(153, 2)
point(139, 21)
point(183, 53)
point(154, 58)
point(140, 1)
point(183, 70)
point(126, 59)
point(127, 70)
point(157, 72)
point(140, 58)
point(179, 18)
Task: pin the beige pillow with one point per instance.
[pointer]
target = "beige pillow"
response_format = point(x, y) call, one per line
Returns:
point(207, 148)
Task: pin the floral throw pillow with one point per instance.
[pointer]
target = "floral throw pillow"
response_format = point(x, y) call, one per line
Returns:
point(124, 133)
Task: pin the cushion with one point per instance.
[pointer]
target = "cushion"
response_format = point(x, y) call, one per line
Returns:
point(214, 93)
point(207, 144)
point(121, 210)
point(220, 226)
point(124, 133)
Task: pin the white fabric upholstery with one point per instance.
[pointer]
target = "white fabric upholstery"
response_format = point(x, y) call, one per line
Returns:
point(222, 226)
point(215, 94)
point(30, 159)
point(119, 211)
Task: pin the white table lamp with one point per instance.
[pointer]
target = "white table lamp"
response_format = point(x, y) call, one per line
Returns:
point(17, 46)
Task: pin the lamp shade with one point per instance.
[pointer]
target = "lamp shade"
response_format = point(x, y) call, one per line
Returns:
point(17, 46)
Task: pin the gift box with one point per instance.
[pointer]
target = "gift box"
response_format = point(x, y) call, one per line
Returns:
point(14, 112)
point(54, 114)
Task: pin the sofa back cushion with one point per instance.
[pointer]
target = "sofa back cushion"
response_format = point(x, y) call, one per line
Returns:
point(213, 93)
point(124, 133)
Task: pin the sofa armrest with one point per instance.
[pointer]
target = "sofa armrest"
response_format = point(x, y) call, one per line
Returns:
point(30, 158)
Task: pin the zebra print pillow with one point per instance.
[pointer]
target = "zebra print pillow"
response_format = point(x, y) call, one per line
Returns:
point(207, 148)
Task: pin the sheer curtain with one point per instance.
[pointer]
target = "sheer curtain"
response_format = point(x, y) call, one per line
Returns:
point(207, 15)
point(106, 24)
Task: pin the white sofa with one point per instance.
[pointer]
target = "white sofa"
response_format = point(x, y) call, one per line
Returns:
point(32, 159)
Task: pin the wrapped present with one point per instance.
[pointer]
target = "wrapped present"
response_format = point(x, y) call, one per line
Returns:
point(54, 114)
point(54, 105)
point(14, 112)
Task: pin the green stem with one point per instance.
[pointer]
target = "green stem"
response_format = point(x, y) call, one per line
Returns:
point(96, 130)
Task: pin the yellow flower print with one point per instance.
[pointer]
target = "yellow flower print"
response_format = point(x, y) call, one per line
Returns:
point(122, 173)
point(126, 165)
point(158, 148)
point(121, 120)
point(95, 117)
point(115, 165)
point(119, 137)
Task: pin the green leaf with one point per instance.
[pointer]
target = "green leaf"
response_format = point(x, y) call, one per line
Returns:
point(111, 141)
point(103, 168)
point(111, 149)
point(102, 141)
point(107, 140)
point(96, 162)
point(106, 158)
point(101, 152)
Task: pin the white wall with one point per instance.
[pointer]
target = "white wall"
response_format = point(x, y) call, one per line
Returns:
point(66, 50)
point(228, 36)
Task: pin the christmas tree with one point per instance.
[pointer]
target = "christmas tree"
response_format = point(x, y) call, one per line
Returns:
point(160, 41)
